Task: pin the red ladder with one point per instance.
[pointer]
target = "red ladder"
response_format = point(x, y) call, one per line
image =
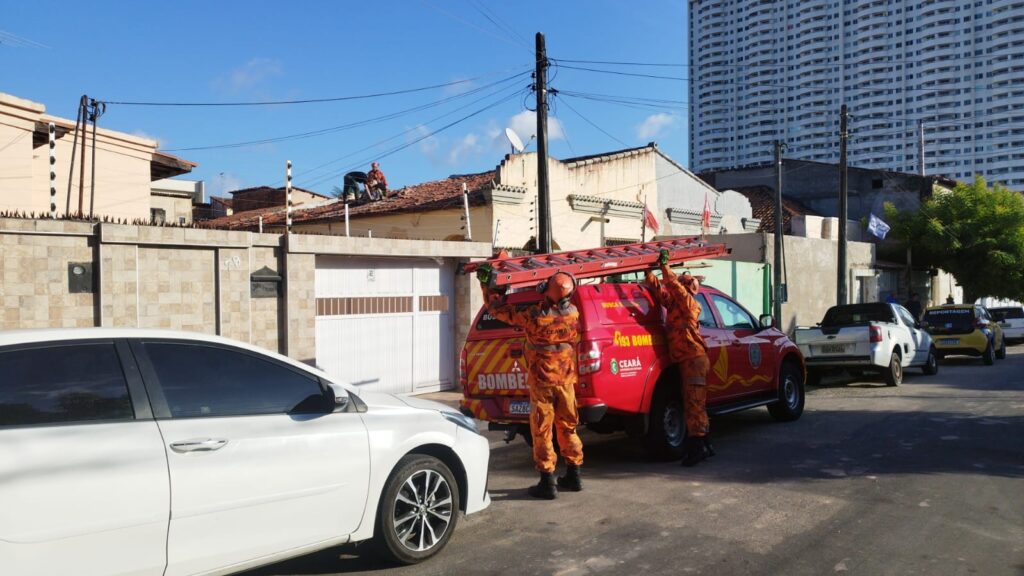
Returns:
point(593, 263)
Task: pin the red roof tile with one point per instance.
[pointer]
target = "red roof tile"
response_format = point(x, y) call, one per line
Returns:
point(436, 195)
point(762, 203)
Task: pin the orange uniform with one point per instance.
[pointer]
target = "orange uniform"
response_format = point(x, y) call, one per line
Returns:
point(686, 346)
point(552, 332)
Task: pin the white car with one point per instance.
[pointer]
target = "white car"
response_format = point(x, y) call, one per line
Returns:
point(137, 452)
point(1011, 320)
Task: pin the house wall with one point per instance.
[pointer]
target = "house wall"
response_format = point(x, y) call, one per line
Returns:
point(256, 199)
point(174, 207)
point(433, 225)
point(817, 187)
point(188, 279)
point(678, 189)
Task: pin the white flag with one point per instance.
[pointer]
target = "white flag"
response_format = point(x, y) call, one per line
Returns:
point(877, 227)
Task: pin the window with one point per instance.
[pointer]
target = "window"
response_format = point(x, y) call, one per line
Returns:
point(733, 316)
point(706, 319)
point(907, 317)
point(62, 384)
point(157, 215)
point(199, 381)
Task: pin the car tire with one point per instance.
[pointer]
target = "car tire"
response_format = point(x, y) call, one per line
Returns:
point(792, 394)
point(894, 373)
point(418, 510)
point(666, 428)
point(989, 355)
point(813, 377)
point(931, 365)
point(1001, 353)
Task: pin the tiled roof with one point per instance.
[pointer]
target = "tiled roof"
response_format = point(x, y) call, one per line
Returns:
point(220, 200)
point(436, 195)
point(762, 203)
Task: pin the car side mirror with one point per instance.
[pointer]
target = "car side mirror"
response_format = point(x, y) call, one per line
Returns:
point(341, 396)
point(766, 321)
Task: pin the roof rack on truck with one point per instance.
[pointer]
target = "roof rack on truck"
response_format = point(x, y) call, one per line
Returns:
point(527, 271)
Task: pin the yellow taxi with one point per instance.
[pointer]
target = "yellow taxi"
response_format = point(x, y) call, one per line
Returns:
point(965, 330)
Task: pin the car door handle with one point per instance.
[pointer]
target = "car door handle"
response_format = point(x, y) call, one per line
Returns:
point(199, 445)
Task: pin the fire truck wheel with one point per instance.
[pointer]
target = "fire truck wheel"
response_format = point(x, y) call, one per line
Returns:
point(666, 428)
point(791, 393)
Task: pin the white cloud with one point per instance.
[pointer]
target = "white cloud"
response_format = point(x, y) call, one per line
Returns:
point(250, 75)
point(160, 142)
point(466, 147)
point(653, 125)
point(428, 145)
point(525, 126)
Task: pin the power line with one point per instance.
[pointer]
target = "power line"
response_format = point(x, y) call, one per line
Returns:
point(324, 165)
point(587, 120)
point(474, 26)
point(355, 124)
point(414, 141)
point(499, 23)
point(307, 101)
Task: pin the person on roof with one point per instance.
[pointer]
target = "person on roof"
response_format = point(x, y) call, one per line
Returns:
point(552, 332)
point(352, 181)
point(376, 183)
point(687, 349)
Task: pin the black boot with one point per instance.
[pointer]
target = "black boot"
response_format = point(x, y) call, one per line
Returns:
point(571, 481)
point(707, 446)
point(695, 451)
point(545, 488)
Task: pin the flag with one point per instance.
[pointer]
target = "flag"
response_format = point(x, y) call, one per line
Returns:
point(705, 217)
point(877, 227)
point(649, 220)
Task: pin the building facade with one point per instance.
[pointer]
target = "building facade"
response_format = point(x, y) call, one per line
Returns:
point(767, 71)
point(124, 170)
point(596, 200)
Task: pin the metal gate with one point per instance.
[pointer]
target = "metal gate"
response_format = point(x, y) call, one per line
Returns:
point(386, 324)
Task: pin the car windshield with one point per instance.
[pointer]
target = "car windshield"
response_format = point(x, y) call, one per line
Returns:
point(857, 314)
point(1011, 313)
point(950, 319)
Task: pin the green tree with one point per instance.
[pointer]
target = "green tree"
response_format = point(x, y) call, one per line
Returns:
point(975, 232)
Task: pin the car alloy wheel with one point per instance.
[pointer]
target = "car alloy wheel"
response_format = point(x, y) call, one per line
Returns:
point(423, 510)
point(673, 424)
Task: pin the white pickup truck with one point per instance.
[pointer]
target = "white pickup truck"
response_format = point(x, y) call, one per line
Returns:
point(877, 337)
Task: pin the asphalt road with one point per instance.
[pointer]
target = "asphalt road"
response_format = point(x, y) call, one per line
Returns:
point(926, 478)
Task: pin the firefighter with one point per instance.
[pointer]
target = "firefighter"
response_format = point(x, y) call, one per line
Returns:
point(688, 350)
point(552, 332)
point(376, 183)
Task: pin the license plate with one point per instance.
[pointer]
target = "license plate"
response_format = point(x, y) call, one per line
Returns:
point(519, 407)
point(833, 348)
point(950, 341)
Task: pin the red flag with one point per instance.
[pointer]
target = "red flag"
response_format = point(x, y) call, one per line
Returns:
point(649, 220)
point(705, 217)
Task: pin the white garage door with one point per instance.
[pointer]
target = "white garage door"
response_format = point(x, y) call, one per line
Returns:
point(385, 324)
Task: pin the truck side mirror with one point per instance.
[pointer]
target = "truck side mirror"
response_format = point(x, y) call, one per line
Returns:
point(766, 321)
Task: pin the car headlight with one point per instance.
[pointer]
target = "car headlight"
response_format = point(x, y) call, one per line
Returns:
point(461, 420)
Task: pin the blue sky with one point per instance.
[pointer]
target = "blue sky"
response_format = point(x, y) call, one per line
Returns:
point(231, 51)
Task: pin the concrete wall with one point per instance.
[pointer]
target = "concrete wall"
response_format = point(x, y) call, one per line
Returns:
point(678, 189)
point(810, 271)
point(175, 208)
point(188, 279)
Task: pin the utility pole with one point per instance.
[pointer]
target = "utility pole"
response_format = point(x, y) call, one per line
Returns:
point(841, 278)
point(543, 194)
point(778, 295)
point(84, 105)
point(920, 147)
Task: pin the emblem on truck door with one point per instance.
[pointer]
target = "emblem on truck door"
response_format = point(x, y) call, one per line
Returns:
point(754, 351)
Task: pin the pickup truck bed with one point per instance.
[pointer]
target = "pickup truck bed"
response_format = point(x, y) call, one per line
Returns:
point(878, 337)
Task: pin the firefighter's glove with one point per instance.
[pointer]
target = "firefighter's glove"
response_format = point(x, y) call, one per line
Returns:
point(483, 273)
point(663, 258)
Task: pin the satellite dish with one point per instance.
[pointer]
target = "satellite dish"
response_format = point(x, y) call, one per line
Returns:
point(513, 139)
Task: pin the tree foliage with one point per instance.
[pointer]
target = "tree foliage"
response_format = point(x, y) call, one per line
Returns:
point(975, 232)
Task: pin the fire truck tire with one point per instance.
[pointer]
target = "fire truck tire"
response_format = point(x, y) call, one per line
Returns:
point(666, 428)
point(399, 527)
point(791, 393)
